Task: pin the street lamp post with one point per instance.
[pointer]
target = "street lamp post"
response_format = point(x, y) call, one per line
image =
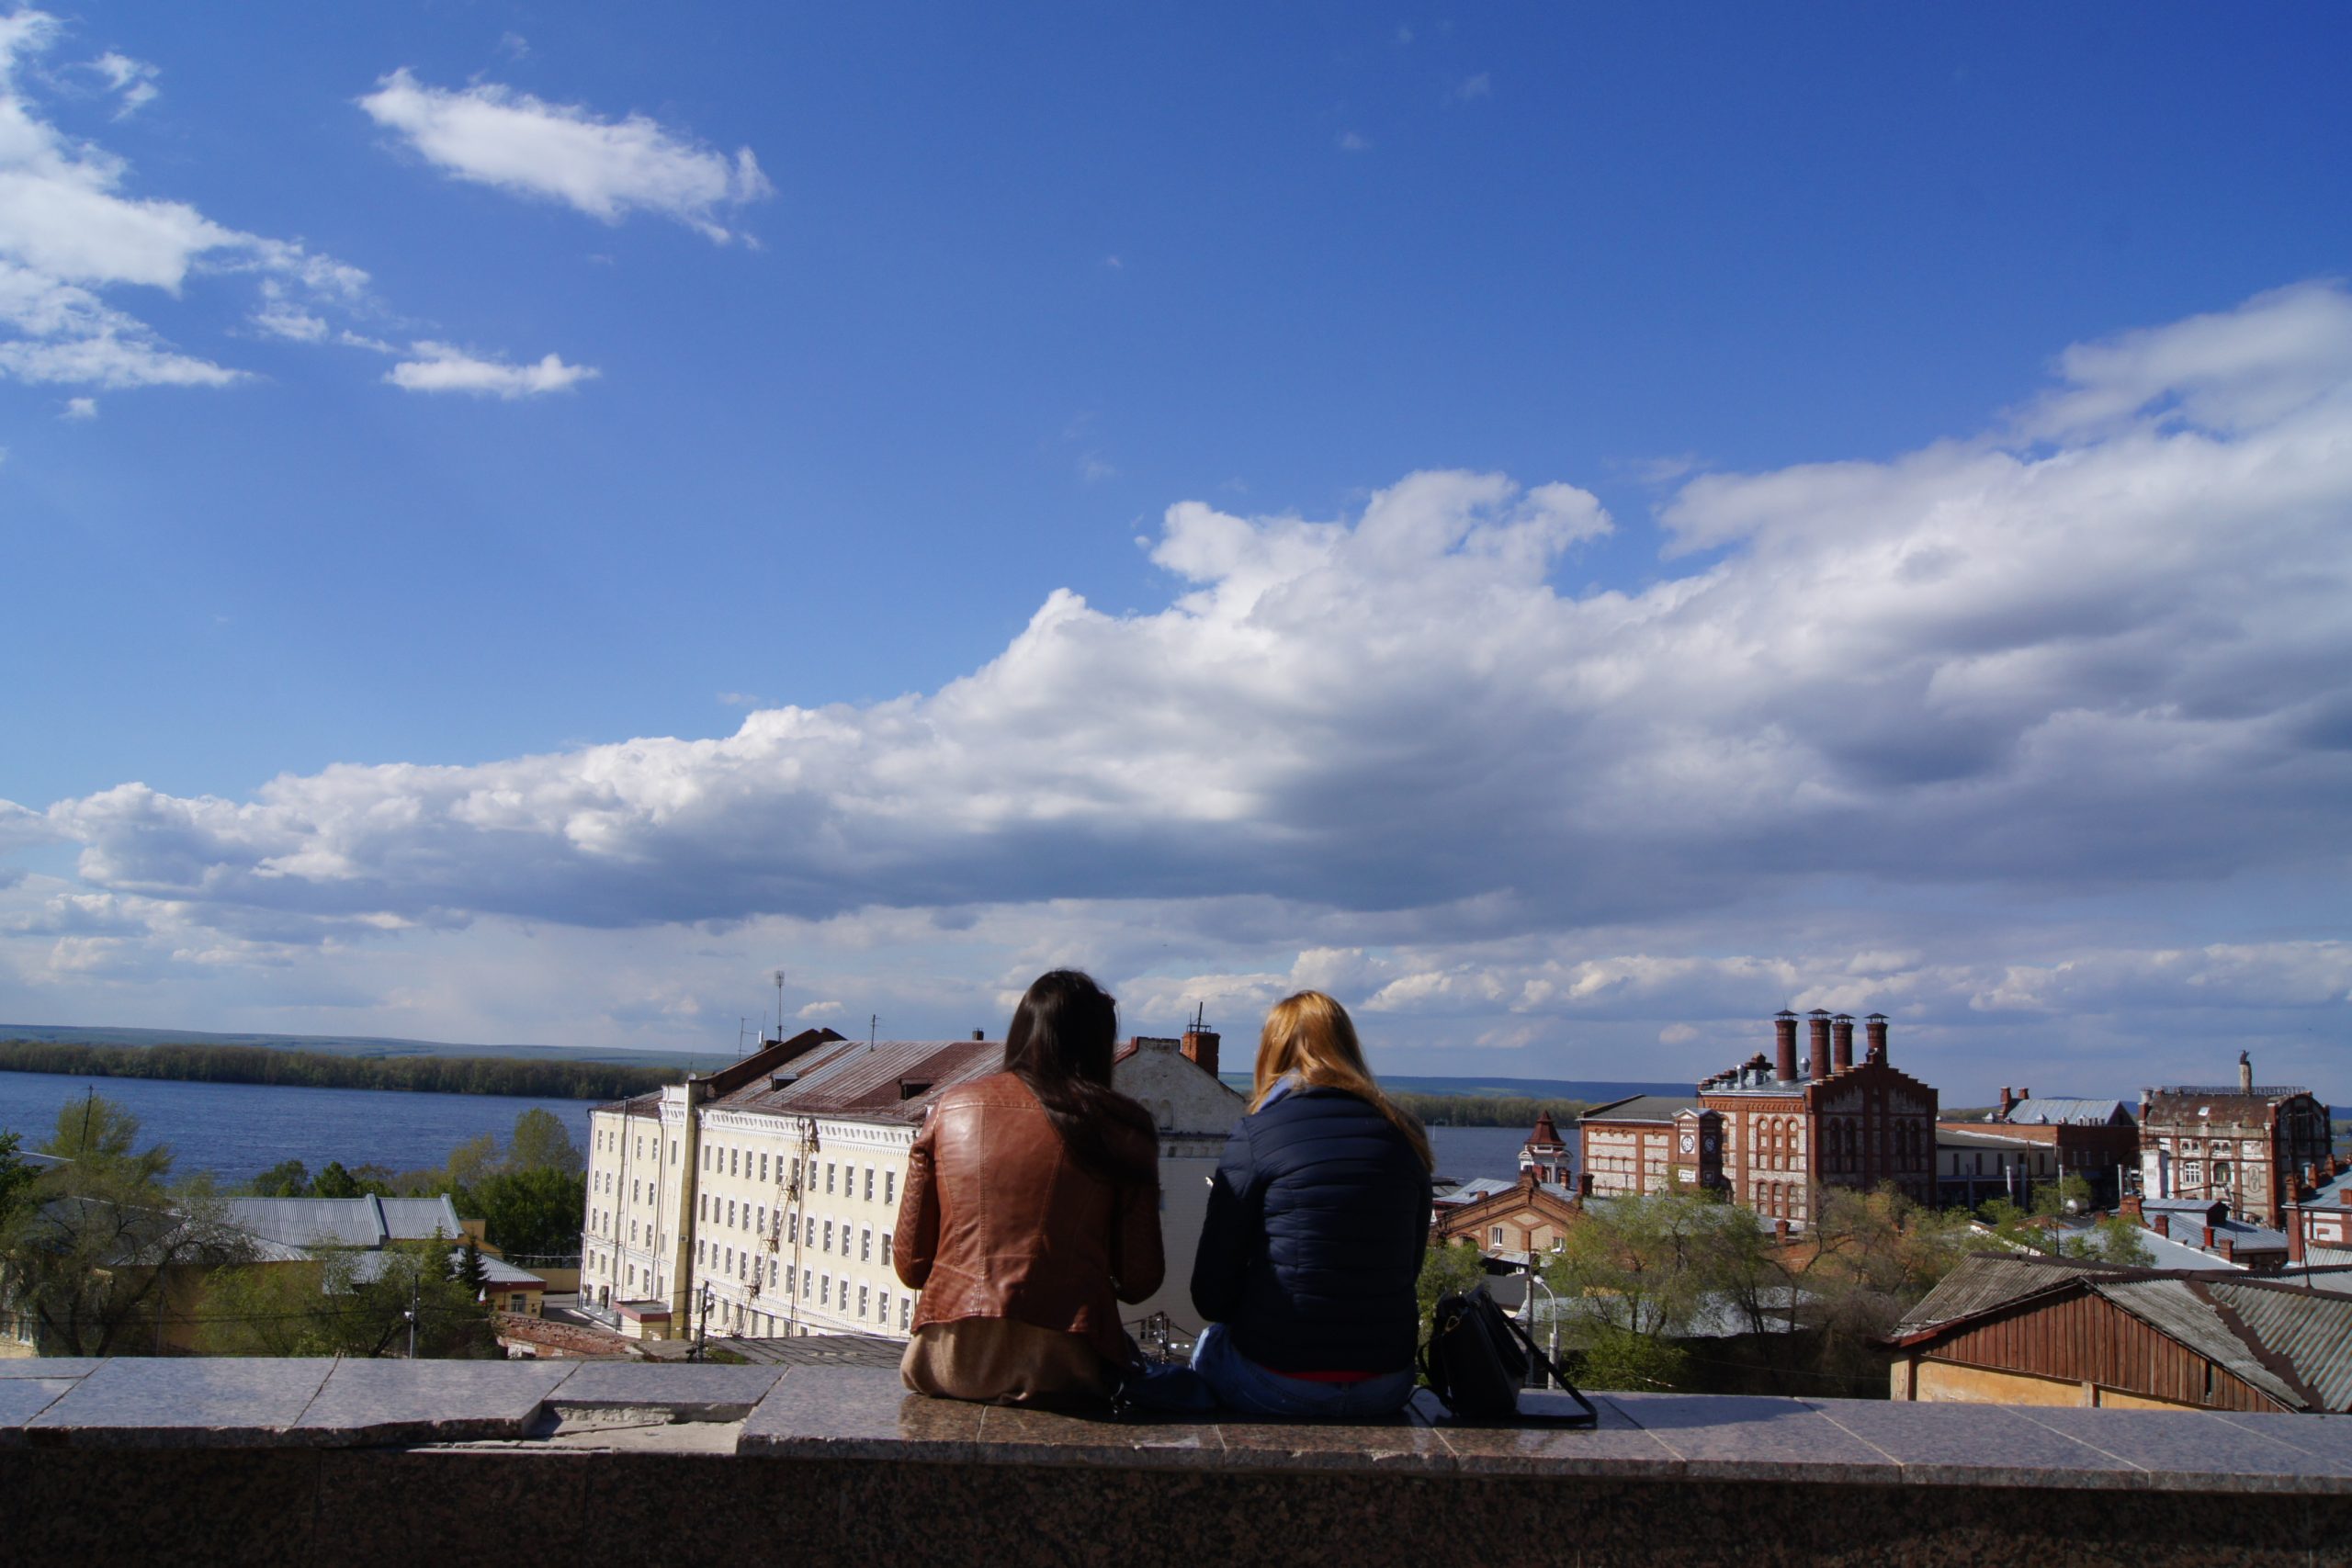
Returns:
point(1535, 1282)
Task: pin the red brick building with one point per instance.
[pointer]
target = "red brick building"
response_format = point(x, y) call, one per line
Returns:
point(2256, 1149)
point(1769, 1133)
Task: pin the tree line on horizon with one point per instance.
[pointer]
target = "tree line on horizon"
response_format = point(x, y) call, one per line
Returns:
point(314, 1069)
point(1488, 1110)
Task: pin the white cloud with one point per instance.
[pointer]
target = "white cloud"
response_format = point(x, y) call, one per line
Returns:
point(1355, 141)
point(134, 80)
point(1905, 705)
point(81, 408)
point(495, 136)
point(1475, 87)
point(439, 367)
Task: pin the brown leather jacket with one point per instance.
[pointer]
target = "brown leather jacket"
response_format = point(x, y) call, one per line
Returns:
point(998, 1222)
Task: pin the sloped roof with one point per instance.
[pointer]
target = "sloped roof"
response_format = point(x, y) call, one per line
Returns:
point(852, 1078)
point(1643, 1108)
point(344, 1221)
point(2061, 1109)
point(2251, 1326)
point(2311, 1330)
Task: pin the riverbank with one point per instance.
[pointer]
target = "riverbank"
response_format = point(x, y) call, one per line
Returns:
point(313, 1069)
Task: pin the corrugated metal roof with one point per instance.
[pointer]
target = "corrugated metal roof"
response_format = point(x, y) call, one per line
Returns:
point(2172, 1307)
point(1951, 1138)
point(344, 1221)
point(851, 1079)
point(2313, 1331)
point(1985, 1283)
point(2051, 1109)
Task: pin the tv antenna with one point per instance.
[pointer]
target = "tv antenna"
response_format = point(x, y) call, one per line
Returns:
point(778, 976)
point(872, 1028)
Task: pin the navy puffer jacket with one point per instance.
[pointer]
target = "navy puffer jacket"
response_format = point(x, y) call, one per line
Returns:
point(1318, 1219)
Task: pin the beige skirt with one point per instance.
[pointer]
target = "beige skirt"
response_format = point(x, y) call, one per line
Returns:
point(1000, 1360)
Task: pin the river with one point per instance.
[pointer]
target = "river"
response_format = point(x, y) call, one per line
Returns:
point(237, 1130)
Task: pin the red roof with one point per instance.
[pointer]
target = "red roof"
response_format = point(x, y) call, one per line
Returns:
point(889, 1080)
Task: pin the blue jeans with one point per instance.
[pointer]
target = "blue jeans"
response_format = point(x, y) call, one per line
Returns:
point(1242, 1384)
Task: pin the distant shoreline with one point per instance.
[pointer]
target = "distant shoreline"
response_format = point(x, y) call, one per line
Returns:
point(276, 1067)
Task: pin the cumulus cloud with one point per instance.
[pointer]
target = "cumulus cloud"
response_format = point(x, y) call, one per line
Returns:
point(1381, 752)
point(495, 136)
point(439, 367)
point(78, 242)
point(80, 408)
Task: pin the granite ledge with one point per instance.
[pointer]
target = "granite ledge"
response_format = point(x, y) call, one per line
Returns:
point(858, 1413)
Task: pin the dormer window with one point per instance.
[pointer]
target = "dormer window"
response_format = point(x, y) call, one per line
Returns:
point(909, 1087)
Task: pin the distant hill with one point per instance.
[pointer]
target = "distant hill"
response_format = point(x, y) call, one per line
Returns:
point(1593, 1091)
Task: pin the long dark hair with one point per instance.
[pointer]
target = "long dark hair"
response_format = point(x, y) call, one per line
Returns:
point(1060, 1045)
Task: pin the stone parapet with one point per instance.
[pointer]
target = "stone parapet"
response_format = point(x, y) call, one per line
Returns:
point(398, 1462)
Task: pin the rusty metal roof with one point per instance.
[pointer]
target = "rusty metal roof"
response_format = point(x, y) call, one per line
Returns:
point(1987, 1282)
point(852, 1078)
point(2173, 1308)
point(2311, 1330)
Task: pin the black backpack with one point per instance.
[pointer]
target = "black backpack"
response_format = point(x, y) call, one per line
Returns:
point(1476, 1361)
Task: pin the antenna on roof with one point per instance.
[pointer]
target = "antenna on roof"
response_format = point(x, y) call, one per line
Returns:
point(873, 1026)
point(778, 976)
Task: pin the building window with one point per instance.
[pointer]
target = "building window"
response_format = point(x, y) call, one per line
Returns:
point(889, 1187)
point(771, 1273)
point(885, 1247)
point(730, 1214)
point(1495, 1235)
point(861, 1301)
point(824, 1290)
point(906, 1309)
point(730, 1260)
point(792, 1229)
point(882, 1308)
point(806, 1277)
point(865, 1245)
point(829, 1236)
point(869, 1184)
point(764, 1166)
point(829, 1177)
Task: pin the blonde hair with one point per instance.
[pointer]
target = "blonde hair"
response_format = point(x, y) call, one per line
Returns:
point(1309, 1037)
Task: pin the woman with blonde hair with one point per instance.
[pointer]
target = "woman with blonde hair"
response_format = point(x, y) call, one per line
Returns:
point(1317, 1218)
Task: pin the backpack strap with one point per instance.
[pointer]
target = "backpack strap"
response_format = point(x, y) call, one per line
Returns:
point(1590, 1416)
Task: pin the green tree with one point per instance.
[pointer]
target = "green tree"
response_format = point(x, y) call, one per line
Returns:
point(91, 1249)
point(15, 1175)
point(529, 1213)
point(470, 1270)
point(1634, 1274)
point(1446, 1267)
point(334, 1181)
point(473, 1161)
point(540, 1142)
point(286, 1178)
point(95, 1130)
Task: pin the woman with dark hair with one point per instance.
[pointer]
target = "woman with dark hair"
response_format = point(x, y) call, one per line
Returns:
point(1032, 1209)
point(1318, 1219)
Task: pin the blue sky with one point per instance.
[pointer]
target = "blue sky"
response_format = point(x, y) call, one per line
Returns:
point(1570, 527)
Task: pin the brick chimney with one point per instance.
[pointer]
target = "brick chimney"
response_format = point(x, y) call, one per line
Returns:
point(2131, 1208)
point(1841, 1041)
point(1818, 1067)
point(1784, 1045)
point(2005, 1102)
point(2207, 1241)
point(1780, 1232)
point(1200, 1046)
point(2294, 1232)
point(2245, 1072)
point(2227, 1248)
point(1874, 1031)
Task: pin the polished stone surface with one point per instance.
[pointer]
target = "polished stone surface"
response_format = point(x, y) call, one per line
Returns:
point(1744, 1438)
point(2192, 1450)
point(50, 1366)
point(429, 1402)
point(21, 1399)
point(696, 1391)
point(182, 1402)
point(859, 1412)
point(1975, 1445)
